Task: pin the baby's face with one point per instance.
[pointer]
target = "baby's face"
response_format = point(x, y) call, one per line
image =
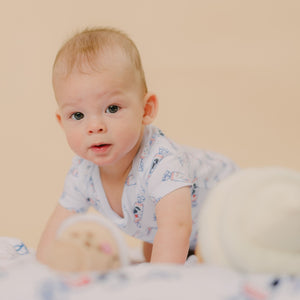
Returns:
point(102, 111)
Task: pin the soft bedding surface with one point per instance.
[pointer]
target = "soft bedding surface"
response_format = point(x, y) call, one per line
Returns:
point(22, 277)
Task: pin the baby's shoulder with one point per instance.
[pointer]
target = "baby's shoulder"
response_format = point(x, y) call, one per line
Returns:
point(155, 143)
point(157, 151)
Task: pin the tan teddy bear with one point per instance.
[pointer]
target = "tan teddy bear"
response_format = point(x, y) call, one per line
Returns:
point(88, 243)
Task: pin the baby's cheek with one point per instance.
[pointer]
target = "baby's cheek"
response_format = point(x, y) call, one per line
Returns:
point(75, 142)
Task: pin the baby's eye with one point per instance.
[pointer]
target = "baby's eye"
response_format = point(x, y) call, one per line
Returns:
point(77, 116)
point(112, 109)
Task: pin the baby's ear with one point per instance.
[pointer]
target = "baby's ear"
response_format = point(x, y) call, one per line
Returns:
point(150, 108)
point(58, 118)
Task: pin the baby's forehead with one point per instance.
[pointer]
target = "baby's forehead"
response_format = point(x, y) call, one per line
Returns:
point(100, 61)
point(114, 67)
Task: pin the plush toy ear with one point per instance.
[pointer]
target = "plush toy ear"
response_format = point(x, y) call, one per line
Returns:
point(150, 108)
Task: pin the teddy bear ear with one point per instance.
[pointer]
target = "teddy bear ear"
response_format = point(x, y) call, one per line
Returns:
point(251, 221)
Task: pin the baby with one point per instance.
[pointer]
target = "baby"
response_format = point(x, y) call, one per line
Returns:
point(126, 168)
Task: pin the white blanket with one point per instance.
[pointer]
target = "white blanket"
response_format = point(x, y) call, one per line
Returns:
point(22, 277)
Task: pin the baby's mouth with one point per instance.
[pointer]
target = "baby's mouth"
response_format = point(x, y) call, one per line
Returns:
point(100, 146)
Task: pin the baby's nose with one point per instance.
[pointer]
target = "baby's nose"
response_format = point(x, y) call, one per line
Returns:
point(96, 126)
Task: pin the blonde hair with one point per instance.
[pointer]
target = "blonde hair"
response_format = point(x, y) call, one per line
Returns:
point(87, 44)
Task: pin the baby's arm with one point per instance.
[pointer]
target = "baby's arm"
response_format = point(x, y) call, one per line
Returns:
point(174, 221)
point(58, 216)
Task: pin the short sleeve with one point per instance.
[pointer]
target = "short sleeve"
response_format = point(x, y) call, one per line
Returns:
point(73, 196)
point(168, 172)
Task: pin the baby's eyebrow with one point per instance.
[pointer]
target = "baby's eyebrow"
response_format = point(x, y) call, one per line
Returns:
point(110, 94)
point(75, 103)
point(70, 105)
point(67, 107)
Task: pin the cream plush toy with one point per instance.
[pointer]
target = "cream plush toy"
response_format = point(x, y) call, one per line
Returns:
point(88, 243)
point(251, 222)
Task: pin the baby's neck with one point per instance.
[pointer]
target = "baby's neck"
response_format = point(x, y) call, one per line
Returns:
point(115, 173)
point(113, 185)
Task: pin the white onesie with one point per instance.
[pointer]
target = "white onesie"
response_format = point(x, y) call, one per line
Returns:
point(160, 167)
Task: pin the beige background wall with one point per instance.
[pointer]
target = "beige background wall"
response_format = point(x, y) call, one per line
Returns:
point(226, 73)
